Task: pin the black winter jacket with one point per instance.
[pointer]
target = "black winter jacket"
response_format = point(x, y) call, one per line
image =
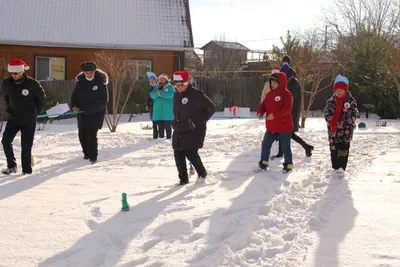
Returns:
point(24, 101)
point(192, 110)
point(91, 97)
point(294, 87)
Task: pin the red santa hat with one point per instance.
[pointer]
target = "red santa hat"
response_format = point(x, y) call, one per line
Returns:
point(182, 76)
point(17, 65)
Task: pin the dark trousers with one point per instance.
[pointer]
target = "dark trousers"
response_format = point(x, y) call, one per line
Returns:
point(155, 130)
point(284, 138)
point(339, 155)
point(164, 126)
point(88, 140)
point(193, 157)
point(27, 136)
point(298, 140)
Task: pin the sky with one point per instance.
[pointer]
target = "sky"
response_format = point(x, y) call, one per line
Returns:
point(257, 24)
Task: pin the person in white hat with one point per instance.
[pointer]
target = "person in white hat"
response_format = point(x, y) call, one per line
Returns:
point(24, 98)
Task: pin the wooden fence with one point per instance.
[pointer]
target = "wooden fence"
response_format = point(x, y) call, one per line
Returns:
point(60, 91)
point(243, 92)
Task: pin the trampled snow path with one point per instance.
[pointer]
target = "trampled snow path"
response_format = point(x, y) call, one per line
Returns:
point(67, 212)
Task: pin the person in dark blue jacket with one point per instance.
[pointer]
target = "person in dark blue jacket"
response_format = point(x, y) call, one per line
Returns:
point(150, 101)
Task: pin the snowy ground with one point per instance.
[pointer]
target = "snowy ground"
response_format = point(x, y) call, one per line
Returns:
point(68, 212)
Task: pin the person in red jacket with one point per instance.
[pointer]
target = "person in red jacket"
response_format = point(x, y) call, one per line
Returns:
point(278, 108)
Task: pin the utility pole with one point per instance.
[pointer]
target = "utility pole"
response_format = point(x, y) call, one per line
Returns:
point(326, 38)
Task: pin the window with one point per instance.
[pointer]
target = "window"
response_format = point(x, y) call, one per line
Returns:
point(140, 68)
point(49, 68)
point(208, 54)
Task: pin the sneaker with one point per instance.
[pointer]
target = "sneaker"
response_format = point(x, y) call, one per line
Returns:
point(93, 161)
point(286, 170)
point(9, 171)
point(263, 164)
point(309, 150)
point(85, 157)
point(25, 173)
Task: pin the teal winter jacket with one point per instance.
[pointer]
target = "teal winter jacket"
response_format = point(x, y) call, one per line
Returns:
point(163, 106)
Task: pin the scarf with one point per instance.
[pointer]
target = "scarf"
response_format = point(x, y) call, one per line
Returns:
point(338, 113)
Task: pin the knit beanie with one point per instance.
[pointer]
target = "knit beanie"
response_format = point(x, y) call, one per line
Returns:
point(275, 78)
point(152, 76)
point(286, 59)
point(341, 82)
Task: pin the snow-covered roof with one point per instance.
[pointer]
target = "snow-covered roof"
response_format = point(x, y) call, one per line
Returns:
point(191, 55)
point(227, 45)
point(125, 24)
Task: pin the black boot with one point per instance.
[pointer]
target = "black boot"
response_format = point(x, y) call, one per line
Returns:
point(9, 171)
point(263, 164)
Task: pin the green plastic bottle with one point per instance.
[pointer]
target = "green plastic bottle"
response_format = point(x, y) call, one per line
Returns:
point(125, 205)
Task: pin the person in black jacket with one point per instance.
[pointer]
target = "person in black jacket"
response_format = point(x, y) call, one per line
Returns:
point(150, 101)
point(91, 97)
point(192, 110)
point(24, 98)
point(294, 87)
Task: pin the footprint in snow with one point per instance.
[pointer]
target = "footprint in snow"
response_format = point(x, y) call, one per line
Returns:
point(92, 224)
point(198, 221)
point(96, 212)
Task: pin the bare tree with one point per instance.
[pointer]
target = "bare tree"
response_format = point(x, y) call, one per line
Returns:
point(116, 64)
point(350, 17)
point(313, 68)
point(311, 62)
point(364, 27)
point(368, 35)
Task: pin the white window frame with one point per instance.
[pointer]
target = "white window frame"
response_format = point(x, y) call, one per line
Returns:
point(49, 57)
point(207, 54)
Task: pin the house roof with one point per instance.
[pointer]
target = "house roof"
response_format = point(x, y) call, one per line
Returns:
point(227, 45)
point(191, 55)
point(125, 24)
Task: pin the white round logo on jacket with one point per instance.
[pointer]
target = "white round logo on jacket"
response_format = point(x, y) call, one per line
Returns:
point(184, 100)
point(166, 90)
point(25, 92)
point(347, 105)
point(95, 88)
point(277, 98)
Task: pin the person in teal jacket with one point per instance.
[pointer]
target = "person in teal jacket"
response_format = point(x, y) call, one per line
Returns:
point(163, 105)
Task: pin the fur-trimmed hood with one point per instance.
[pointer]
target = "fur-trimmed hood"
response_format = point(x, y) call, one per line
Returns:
point(99, 73)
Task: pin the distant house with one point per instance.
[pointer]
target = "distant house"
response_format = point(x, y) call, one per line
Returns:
point(55, 37)
point(224, 56)
point(192, 61)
